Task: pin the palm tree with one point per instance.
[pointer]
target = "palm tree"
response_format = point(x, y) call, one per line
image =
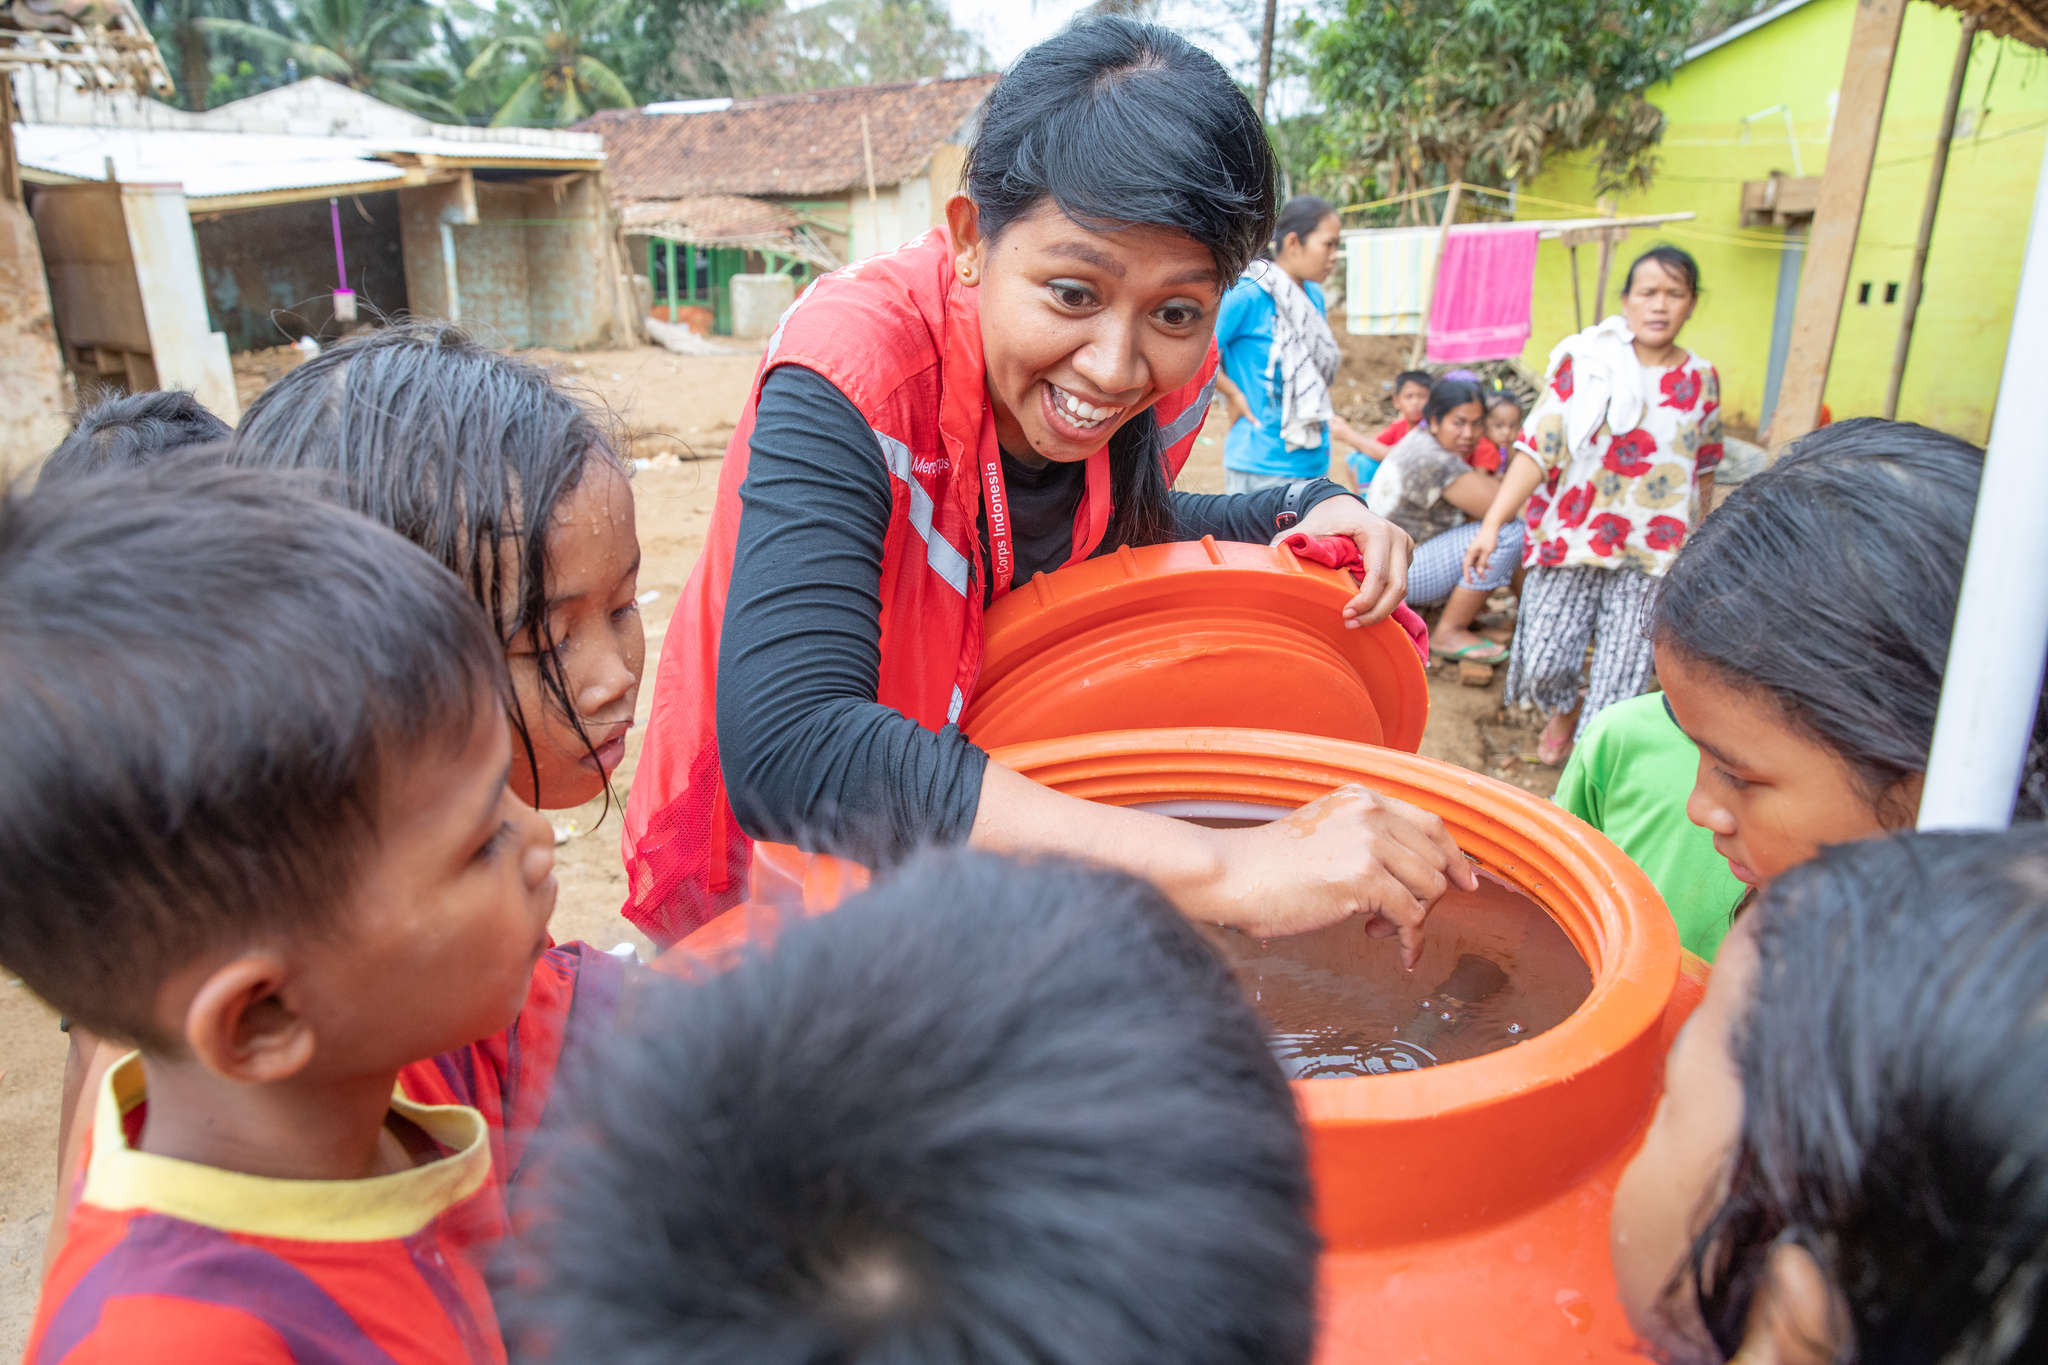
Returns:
point(367, 45)
point(550, 40)
point(176, 27)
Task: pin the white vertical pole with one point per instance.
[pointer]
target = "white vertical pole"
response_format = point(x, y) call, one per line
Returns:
point(1993, 684)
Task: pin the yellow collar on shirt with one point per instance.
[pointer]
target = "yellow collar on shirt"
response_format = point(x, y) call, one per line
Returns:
point(376, 1209)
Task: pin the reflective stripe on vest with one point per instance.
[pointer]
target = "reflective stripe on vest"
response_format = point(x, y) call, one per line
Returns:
point(1189, 419)
point(939, 553)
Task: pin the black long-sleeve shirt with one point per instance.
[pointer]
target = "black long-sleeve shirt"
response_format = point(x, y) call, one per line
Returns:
point(808, 754)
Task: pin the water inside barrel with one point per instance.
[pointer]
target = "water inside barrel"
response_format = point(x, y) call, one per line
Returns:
point(1496, 970)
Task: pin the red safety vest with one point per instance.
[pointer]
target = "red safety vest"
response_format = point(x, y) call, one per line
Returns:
point(901, 338)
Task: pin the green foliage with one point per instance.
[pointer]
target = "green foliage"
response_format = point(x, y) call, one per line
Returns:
point(661, 32)
point(1424, 91)
point(552, 47)
point(368, 45)
point(203, 76)
point(769, 48)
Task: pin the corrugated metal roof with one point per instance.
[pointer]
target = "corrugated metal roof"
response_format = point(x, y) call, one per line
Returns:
point(1747, 26)
point(2025, 20)
point(785, 145)
point(211, 164)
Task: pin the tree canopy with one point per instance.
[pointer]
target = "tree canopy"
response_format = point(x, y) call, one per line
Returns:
point(548, 46)
point(1426, 91)
point(369, 45)
point(551, 62)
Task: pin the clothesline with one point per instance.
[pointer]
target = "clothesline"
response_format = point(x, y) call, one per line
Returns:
point(1717, 236)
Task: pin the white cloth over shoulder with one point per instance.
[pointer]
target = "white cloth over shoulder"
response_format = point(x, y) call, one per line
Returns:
point(1304, 358)
point(1606, 381)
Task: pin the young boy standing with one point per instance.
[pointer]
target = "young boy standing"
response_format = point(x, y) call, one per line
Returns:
point(255, 820)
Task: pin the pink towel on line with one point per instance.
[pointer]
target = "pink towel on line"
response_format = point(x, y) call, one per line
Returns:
point(1484, 291)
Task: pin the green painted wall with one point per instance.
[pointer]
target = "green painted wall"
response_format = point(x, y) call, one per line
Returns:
point(1973, 265)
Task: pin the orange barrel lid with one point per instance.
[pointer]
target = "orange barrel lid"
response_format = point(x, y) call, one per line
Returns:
point(1194, 633)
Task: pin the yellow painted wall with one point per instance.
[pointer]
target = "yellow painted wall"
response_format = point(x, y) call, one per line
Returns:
point(1973, 265)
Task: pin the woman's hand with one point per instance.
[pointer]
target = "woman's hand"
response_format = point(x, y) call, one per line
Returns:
point(1237, 409)
point(1385, 548)
point(1484, 543)
point(1354, 852)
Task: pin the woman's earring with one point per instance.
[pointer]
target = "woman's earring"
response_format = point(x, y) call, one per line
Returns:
point(967, 274)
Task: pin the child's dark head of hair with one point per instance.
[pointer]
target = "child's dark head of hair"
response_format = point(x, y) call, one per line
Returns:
point(463, 450)
point(1411, 392)
point(1852, 1154)
point(125, 431)
point(1803, 632)
point(1504, 413)
point(251, 742)
point(991, 1110)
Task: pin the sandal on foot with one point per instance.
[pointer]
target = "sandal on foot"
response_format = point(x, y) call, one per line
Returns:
point(1467, 654)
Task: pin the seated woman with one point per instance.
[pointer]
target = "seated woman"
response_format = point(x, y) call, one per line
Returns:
point(1426, 487)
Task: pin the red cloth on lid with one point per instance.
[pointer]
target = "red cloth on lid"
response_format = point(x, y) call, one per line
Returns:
point(1341, 552)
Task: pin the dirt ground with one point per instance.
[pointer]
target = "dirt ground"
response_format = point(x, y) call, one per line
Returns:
point(678, 412)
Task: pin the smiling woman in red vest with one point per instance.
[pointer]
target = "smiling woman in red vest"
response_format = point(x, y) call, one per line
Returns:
point(1006, 395)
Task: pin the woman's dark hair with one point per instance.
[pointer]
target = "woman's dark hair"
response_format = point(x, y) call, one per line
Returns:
point(1677, 260)
point(1119, 123)
point(1894, 1053)
point(1447, 394)
point(459, 448)
point(1828, 584)
point(1299, 217)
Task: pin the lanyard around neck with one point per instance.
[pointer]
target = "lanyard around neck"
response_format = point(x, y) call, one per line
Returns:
point(1091, 520)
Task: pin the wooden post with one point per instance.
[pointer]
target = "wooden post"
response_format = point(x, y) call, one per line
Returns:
point(1436, 279)
point(1607, 241)
point(867, 152)
point(1265, 57)
point(1873, 43)
point(1917, 272)
point(670, 245)
point(1577, 310)
point(10, 164)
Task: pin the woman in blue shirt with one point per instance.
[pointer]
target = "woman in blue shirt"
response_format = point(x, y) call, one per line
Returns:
point(1279, 357)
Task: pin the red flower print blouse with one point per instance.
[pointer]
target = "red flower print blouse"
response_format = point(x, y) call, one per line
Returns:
point(1628, 498)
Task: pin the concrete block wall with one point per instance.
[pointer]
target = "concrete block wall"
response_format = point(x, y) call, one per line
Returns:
point(531, 267)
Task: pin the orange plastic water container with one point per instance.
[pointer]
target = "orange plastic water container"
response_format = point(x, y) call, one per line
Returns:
point(1464, 1207)
point(1195, 633)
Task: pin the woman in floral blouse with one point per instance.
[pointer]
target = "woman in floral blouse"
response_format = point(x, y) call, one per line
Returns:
point(1615, 464)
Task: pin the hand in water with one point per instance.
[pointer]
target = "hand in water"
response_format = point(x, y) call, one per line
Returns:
point(1354, 852)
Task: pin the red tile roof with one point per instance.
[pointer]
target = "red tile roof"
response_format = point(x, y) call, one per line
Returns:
point(708, 218)
point(786, 145)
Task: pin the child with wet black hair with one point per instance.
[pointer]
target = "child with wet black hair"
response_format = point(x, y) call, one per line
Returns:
point(467, 452)
point(989, 1111)
point(1850, 1163)
point(256, 822)
point(127, 431)
point(1802, 636)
